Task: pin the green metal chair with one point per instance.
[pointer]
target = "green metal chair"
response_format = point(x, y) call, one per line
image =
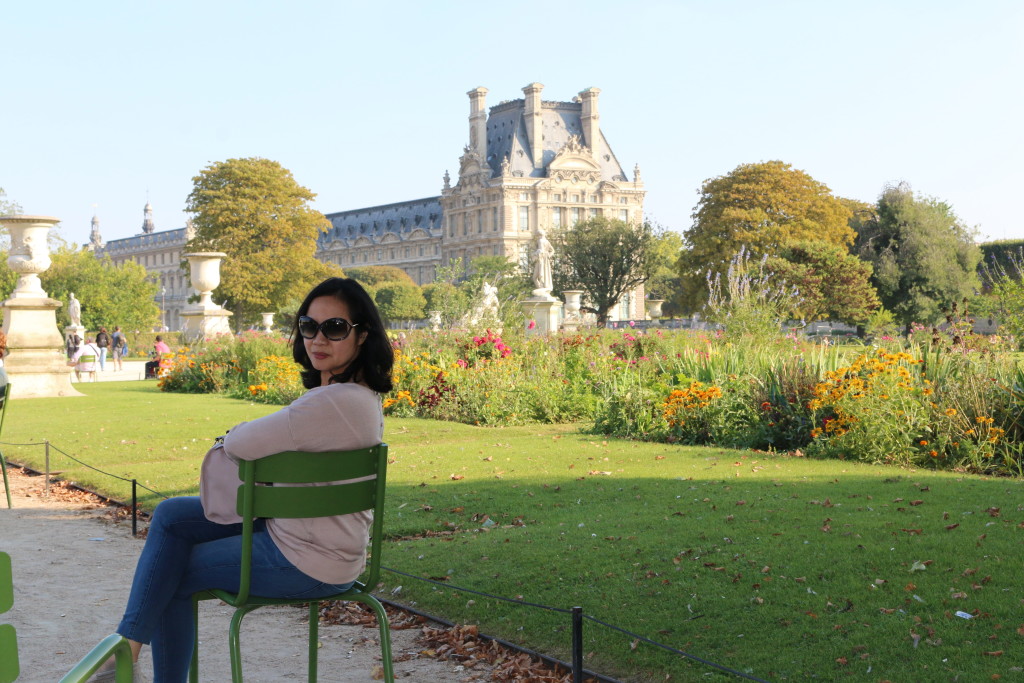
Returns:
point(256, 500)
point(113, 645)
point(8, 638)
point(3, 462)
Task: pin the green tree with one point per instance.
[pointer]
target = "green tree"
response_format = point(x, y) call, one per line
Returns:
point(110, 295)
point(444, 295)
point(606, 258)
point(833, 283)
point(400, 301)
point(254, 210)
point(761, 207)
point(373, 276)
point(923, 255)
point(8, 207)
point(665, 283)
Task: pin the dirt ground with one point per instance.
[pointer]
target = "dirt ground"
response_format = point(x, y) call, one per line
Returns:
point(73, 564)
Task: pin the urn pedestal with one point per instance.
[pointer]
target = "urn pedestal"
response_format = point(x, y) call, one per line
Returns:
point(573, 300)
point(268, 322)
point(205, 318)
point(35, 361)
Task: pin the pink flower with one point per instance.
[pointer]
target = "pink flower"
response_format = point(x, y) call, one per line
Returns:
point(632, 324)
point(532, 325)
point(461, 363)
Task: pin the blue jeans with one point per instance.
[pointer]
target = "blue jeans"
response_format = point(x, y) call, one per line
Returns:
point(186, 553)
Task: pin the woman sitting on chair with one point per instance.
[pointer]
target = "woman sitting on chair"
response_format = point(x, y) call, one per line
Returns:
point(194, 543)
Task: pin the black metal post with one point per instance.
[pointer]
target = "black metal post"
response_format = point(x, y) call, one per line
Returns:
point(135, 506)
point(46, 475)
point(577, 645)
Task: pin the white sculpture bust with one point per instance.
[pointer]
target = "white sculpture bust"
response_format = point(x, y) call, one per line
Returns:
point(489, 304)
point(75, 311)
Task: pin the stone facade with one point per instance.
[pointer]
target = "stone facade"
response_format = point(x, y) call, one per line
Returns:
point(529, 164)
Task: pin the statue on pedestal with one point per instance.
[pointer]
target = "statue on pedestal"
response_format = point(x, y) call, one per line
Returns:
point(75, 311)
point(542, 265)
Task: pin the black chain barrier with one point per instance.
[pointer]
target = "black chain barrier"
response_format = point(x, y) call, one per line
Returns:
point(576, 613)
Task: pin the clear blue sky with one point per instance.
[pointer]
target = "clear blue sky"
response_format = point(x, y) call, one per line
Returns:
point(108, 103)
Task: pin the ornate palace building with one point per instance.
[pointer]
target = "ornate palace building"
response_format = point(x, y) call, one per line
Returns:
point(530, 164)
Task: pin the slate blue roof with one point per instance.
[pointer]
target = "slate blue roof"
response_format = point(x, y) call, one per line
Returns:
point(374, 222)
point(507, 136)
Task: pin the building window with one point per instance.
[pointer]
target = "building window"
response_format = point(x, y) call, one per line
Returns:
point(465, 224)
point(593, 199)
point(451, 225)
point(392, 256)
point(592, 213)
point(524, 218)
point(479, 221)
point(524, 197)
point(576, 198)
point(558, 197)
point(378, 254)
point(421, 250)
point(575, 215)
point(624, 215)
point(623, 200)
point(496, 219)
point(494, 250)
point(524, 257)
point(556, 217)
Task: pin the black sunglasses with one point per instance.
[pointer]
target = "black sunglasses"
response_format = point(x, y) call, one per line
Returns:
point(335, 329)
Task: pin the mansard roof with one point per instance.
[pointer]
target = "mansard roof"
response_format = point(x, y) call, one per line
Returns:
point(507, 137)
point(374, 222)
point(144, 241)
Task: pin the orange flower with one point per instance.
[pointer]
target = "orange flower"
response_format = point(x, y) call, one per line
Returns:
point(923, 442)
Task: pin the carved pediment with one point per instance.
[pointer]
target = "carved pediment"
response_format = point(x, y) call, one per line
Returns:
point(418, 234)
point(362, 241)
point(574, 163)
point(389, 238)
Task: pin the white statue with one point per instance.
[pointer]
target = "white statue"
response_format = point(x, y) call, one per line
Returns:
point(75, 311)
point(542, 264)
point(489, 304)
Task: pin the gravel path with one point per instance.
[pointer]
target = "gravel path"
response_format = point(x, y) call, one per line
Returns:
point(73, 563)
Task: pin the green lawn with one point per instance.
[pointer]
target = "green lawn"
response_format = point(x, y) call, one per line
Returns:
point(782, 567)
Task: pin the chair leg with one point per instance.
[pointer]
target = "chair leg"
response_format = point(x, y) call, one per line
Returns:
point(314, 638)
point(385, 637)
point(193, 670)
point(234, 643)
point(7, 484)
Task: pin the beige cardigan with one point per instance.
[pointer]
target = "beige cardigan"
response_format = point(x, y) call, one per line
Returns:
point(335, 417)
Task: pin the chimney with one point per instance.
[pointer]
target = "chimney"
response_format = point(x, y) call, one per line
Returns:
point(534, 122)
point(589, 118)
point(478, 121)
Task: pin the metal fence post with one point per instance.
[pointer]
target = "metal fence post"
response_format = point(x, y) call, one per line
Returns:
point(46, 475)
point(135, 506)
point(577, 644)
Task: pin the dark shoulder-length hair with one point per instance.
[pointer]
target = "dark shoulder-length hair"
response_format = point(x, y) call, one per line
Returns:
point(373, 364)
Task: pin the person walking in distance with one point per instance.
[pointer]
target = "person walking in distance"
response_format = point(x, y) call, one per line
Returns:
point(103, 344)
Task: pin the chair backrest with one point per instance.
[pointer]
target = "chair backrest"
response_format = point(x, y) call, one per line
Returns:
point(84, 360)
point(6, 394)
point(9, 669)
point(336, 494)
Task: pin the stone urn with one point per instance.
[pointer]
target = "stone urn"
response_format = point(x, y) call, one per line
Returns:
point(205, 318)
point(35, 360)
point(573, 301)
point(268, 321)
point(654, 307)
point(435, 320)
point(204, 274)
point(30, 253)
